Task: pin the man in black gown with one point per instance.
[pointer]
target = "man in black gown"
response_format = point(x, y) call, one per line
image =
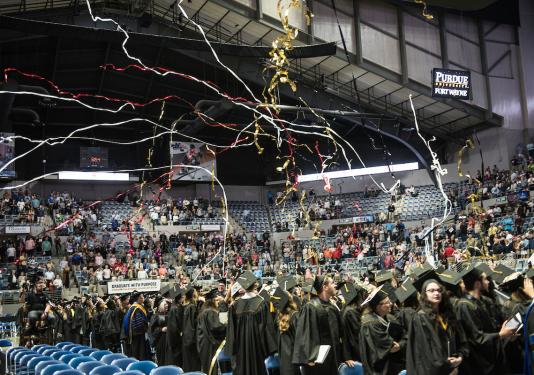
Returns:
point(174, 330)
point(318, 324)
point(250, 336)
point(485, 340)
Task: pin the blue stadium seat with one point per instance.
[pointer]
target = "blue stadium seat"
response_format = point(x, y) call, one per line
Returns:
point(346, 370)
point(99, 354)
point(123, 363)
point(15, 357)
point(5, 343)
point(87, 351)
point(132, 372)
point(272, 363)
point(61, 353)
point(167, 370)
point(23, 363)
point(42, 365)
point(87, 367)
point(403, 372)
point(50, 351)
point(65, 358)
point(36, 348)
point(79, 348)
point(51, 369)
point(144, 366)
point(108, 358)
point(69, 347)
point(69, 372)
point(195, 373)
point(61, 345)
point(75, 362)
point(105, 370)
point(30, 368)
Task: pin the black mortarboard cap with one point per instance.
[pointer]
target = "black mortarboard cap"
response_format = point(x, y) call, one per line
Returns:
point(124, 297)
point(280, 299)
point(287, 282)
point(308, 287)
point(501, 272)
point(390, 291)
point(421, 269)
point(383, 276)
point(222, 280)
point(134, 296)
point(529, 273)
point(450, 277)
point(483, 267)
point(427, 275)
point(265, 295)
point(211, 294)
point(405, 291)
point(165, 291)
point(374, 298)
point(349, 291)
point(246, 279)
point(512, 283)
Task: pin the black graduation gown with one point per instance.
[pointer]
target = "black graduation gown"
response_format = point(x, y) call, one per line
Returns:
point(485, 346)
point(191, 359)
point(350, 323)
point(174, 335)
point(405, 316)
point(375, 346)
point(110, 328)
point(77, 324)
point(68, 326)
point(250, 336)
point(428, 345)
point(514, 350)
point(318, 324)
point(98, 331)
point(159, 338)
point(210, 334)
point(137, 328)
point(286, 343)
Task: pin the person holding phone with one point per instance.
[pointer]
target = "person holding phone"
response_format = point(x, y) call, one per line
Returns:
point(436, 342)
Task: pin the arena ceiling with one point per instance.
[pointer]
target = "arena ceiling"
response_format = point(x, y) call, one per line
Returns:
point(60, 47)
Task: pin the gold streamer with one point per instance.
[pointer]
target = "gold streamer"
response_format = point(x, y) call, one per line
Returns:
point(468, 145)
point(427, 15)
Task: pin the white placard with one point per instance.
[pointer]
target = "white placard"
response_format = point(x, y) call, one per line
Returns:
point(116, 287)
point(18, 229)
point(211, 227)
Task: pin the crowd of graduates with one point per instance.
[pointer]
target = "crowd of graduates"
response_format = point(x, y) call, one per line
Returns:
point(428, 321)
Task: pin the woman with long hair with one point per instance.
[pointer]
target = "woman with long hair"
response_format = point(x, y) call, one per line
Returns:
point(287, 322)
point(436, 342)
point(210, 331)
point(382, 340)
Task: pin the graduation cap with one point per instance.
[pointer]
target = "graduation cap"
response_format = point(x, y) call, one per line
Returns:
point(286, 282)
point(421, 269)
point(390, 291)
point(246, 280)
point(211, 294)
point(265, 295)
point(349, 291)
point(450, 278)
point(405, 291)
point(280, 299)
point(483, 267)
point(470, 273)
point(222, 281)
point(500, 272)
point(383, 276)
point(308, 287)
point(165, 291)
point(512, 283)
point(529, 273)
point(236, 287)
point(427, 275)
point(134, 296)
point(374, 298)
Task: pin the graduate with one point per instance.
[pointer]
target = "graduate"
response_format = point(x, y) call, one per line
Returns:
point(250, 336)
point(518, 303)
point(289, 284)
point(436, 343)
point(174, 329)
point(135, 326)
point(351, 315)
point(318, 324)
point(406, 295)
point(158, 330)
point(286, 321)
point(485, 340)
point(382, 340)
point(210, 332)
point(191, 359)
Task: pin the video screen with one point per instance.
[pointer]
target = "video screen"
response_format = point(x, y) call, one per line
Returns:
point(7, 153)
point(94, 158)
point(197, 154)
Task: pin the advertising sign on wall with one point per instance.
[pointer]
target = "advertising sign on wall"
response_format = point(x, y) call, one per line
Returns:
point(454, 84)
